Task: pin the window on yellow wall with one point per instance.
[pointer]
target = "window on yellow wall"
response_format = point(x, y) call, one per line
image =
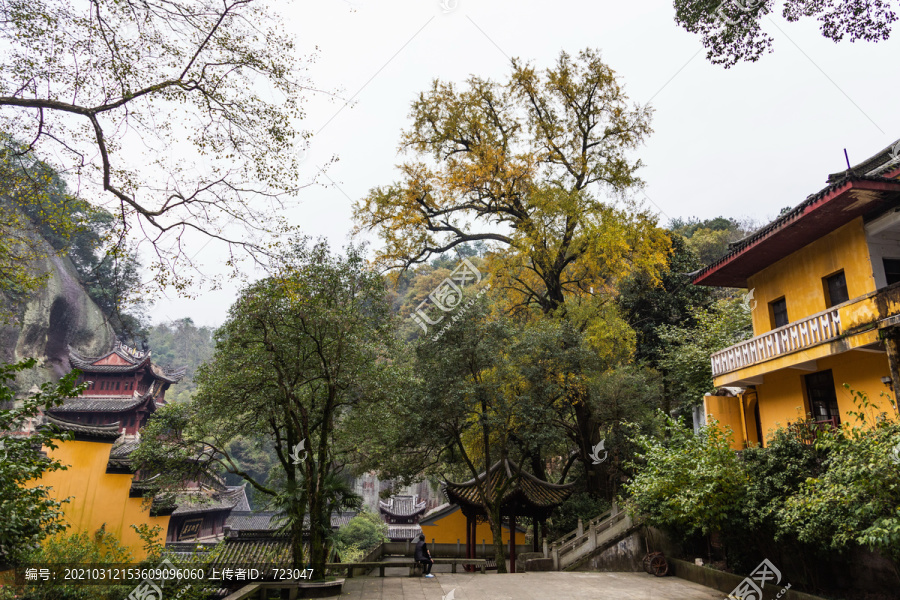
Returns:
point(835, 289)
point(820, 392)
point(778, 313)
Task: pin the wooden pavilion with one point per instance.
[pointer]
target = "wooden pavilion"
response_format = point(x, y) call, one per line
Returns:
point(524, 495)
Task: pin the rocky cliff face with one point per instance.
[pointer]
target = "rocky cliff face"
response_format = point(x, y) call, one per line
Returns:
point(58, 315)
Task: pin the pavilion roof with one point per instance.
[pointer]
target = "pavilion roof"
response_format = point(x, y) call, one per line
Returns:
point(102, 404)
point(398, 533)
point(525, 494)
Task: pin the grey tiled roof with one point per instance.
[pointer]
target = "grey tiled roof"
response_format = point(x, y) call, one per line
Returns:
point(403, 532)
point(100, 432)
point(120, 454)
point(402, 506)
point(232, 498)
point(339, 519)
point(252, 521)
point(104, 404)
point(260, 550)
point(883, 162)
point(124, 448)
point(134, 362)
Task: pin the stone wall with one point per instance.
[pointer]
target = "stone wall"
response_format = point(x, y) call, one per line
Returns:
point(623, 556)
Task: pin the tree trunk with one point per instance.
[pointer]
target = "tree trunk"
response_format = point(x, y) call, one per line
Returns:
point(317, 551)
point(497, 534)
point(297, 561)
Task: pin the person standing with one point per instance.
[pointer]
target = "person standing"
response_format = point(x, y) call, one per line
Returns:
point(423, 555)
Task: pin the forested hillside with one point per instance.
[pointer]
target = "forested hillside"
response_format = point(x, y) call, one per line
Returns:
point(178, 344)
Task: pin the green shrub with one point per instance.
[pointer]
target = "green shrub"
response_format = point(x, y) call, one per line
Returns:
point(360, 536)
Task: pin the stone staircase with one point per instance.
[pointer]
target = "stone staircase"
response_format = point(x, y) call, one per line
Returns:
point(578, 546)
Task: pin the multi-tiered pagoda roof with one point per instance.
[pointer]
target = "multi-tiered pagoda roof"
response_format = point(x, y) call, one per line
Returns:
point(124, 386)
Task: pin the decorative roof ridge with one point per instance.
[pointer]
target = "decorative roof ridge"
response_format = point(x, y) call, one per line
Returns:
point(877, 164)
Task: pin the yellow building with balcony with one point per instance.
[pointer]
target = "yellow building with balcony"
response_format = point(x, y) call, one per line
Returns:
point(824, 283)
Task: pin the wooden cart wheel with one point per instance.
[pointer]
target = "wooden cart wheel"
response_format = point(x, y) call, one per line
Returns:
point(658, 565)
point(646, 562)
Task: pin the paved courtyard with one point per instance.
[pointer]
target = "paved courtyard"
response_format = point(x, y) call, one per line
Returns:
point(528, 586)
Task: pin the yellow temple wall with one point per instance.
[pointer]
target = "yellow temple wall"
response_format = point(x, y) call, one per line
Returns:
point(798, 277)
point(727, 411)
point(783, 397)
point(452, 527)
point(98, 498)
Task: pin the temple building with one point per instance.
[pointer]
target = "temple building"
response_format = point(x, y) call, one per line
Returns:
point(824, 281)
point(125, 387)
point(103, 486)
point(402, 514)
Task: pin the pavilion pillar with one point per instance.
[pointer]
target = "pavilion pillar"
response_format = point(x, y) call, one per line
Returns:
point(469, 541)
point(512, 541)
point(535, 543)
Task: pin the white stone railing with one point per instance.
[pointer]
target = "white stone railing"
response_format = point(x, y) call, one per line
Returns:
point(802, 334)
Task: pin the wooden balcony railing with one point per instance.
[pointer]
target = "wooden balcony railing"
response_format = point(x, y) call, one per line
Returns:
point(805, 333)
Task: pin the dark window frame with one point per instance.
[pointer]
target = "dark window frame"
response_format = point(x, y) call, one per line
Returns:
point(885, 261)
point(775, 312)
point(822, 396)
point(833, 285)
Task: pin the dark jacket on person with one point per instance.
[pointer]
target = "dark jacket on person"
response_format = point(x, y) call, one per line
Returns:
point(421, 550)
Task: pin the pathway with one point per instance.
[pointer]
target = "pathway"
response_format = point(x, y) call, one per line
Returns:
point(528, 586)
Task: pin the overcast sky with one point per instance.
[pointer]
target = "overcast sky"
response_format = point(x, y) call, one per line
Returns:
point(742, 142)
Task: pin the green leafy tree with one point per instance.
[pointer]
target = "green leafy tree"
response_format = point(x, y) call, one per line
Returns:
point(40, 218)
point(525, 166)
point(574, 397)
point(28, 513)
point(362, 534)
point(731, 30)
point(647, 306)
point(686, 483)
point(300, 352)
point(685, 359)
point(181, 343)
point(33, 205)
point(582, 506)
point(82, 548)
point(458, 418)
